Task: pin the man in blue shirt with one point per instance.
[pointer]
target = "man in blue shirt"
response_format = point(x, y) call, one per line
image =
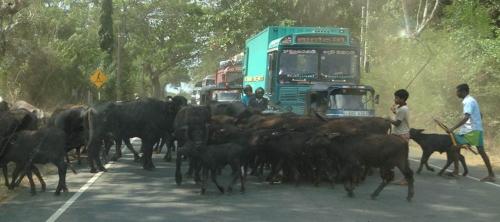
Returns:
point(247, 95)
point(471, 128)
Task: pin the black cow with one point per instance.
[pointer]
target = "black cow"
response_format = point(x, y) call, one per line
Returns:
point(377, 150)
point(71, 121)
point(213, 158)
point(42, 146)
point(10, 123)
point(431, 143)
point(191, 124)
point(148, 119)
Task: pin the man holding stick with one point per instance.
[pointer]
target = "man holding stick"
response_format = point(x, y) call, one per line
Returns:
point(471, 128)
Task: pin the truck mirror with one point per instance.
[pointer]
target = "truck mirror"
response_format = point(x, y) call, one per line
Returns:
point(377, 98)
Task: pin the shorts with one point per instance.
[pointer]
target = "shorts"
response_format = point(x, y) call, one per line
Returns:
point(473, 138)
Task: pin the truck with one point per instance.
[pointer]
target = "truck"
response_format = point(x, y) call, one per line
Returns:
point(308, 70)
point(229, 72)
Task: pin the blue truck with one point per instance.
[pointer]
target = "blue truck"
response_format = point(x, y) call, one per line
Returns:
point(308, 69)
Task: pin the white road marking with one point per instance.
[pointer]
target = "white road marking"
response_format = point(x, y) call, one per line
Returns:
point(470, 177)
point(75, 196)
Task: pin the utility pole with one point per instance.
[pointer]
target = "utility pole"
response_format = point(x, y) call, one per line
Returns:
point(119, 67)
point(362, 40)
point(119, 62)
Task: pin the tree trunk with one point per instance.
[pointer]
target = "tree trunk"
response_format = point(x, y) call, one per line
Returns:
point(155, 83)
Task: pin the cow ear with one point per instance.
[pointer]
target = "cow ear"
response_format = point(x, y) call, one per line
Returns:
point(420, 130)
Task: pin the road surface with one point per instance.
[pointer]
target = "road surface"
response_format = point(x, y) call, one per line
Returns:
point(128, 193)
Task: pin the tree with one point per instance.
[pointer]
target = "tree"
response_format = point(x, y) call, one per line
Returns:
point(162, 38)
point(106, 29)
point(8, 9)
point(425, 13)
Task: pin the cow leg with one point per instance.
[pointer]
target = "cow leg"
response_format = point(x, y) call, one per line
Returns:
point(275, 168)
point(429, 168)
point(170, 145)
point(423, 161)
point(213, 174)
point(67, 157)
point(348, 182)
point(387, 175)
point(197, 168)
point(118, 150)
point(107, 148)
point(236, 173)
point(29, 174)
point(408, 174)
point(40, 178)
point(449, 161)
point(131, 149)
point(5, 175)
point(464, 165)
point(93, 149)
point(15, 174)
point(204, 180)
point(78, 157)
point(147, 147)
point(243, 174)
point(190, 167)
point(156, 146)
point(61, 170)
point(178, 174)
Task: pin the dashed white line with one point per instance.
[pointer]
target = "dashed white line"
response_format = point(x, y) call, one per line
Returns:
point(470, 177)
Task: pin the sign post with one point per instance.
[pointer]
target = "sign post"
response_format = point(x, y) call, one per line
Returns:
point(98, 78)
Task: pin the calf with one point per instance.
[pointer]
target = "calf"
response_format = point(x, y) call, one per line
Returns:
point(215, 157)
point(431, 143)
point(43, 146)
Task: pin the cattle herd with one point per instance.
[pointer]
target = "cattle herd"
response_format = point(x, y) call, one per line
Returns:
point(275, 147)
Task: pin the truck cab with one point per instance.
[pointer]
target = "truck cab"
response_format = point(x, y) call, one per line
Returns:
point(308, 69)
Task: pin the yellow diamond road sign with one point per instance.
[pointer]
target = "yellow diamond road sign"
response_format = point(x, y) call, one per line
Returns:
point(98, 78)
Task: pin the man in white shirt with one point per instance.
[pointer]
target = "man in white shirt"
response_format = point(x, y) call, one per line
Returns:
point(471, 128)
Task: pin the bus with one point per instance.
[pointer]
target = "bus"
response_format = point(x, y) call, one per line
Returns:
point(308, 69)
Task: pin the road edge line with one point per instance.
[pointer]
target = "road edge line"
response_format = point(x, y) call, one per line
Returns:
point(470, 177)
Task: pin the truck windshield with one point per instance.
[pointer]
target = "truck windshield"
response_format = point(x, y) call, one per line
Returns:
point(349, 99)
point(337, 64)
point(302, 65)
point(226, 96)
point(296, 65)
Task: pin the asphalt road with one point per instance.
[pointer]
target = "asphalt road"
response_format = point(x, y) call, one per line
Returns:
point(128, 193)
